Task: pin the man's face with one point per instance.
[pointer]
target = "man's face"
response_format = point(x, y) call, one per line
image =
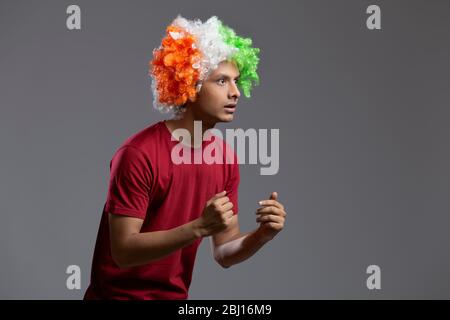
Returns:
point(217, 99)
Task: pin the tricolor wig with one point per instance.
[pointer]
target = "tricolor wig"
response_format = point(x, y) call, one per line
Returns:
point(189, 52)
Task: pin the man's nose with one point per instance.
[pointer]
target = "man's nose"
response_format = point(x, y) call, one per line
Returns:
point(234, 91)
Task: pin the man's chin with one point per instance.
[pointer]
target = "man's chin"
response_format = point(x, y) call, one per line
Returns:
point(226, 118)
point(222, 117)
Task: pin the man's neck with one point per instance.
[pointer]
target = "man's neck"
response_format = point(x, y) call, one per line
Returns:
point(187, 122)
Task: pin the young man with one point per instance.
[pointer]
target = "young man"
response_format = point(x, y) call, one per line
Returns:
point(157, 211)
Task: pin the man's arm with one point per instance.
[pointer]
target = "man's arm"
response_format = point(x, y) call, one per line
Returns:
point(130, 247)
point(231, 247)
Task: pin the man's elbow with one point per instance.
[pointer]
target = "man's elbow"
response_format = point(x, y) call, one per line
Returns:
point(223, 263)
point(120, 260)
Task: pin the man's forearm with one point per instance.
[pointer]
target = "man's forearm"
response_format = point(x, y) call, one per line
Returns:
point(239, 249)
point(142, 248)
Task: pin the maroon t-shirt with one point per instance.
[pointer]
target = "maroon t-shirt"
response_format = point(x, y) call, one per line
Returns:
point(146, 184)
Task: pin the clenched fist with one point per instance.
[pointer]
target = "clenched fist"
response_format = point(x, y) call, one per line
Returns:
point(271, 217)
point(215, 217)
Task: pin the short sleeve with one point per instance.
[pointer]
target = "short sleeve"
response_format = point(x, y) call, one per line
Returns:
point(129, 183)
point(232, 185)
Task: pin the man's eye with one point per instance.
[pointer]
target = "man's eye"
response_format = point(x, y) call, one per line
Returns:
point(221, 81)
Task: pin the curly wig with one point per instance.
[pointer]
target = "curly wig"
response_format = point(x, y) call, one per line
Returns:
point(189, 52)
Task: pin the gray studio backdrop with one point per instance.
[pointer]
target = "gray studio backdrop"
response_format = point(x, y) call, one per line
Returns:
point(364, 151)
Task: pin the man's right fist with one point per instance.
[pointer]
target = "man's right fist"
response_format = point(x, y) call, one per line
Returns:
point(215, 217)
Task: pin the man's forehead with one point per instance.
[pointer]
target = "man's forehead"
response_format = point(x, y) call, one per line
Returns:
point(227, 68)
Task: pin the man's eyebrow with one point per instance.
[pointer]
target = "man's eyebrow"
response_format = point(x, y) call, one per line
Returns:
point(222, 75)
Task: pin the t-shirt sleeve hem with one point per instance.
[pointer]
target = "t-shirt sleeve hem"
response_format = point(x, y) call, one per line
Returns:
point(111, 208)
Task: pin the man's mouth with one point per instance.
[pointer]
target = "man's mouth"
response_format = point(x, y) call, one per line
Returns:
point(230, 108)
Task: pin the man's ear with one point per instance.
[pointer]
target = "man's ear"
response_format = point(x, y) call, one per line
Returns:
point(198, 86)
point(191, 100)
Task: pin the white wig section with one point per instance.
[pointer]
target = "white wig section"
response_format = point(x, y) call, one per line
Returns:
point(209, 41)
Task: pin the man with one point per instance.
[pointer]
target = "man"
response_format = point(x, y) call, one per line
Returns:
point(157, 211)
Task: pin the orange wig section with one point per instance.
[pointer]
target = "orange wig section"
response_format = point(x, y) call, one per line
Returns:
point(172, 67)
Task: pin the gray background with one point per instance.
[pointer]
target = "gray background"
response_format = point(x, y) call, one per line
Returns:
point(364, 155)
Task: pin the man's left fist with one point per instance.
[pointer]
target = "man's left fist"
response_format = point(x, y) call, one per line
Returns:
point(271, 217)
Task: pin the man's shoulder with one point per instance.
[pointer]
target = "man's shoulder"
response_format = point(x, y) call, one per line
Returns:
point(146, 137)
point(146, 142)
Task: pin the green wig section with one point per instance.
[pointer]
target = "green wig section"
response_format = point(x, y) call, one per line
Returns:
point(246, 58)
